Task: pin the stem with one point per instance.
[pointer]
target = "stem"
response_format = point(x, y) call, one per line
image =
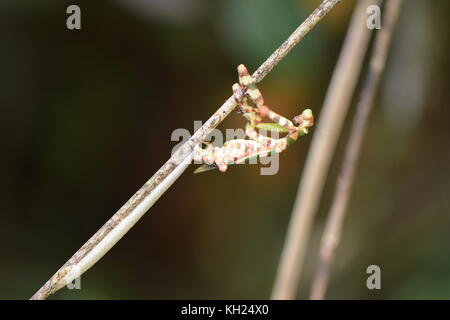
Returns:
point(331, 119)
point(333, 228)
point(122, 221)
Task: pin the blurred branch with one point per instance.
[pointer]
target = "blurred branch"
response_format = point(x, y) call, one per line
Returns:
point(122, 221)
point(337, 100)
point(332, 232)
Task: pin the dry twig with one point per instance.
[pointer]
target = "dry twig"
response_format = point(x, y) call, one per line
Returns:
point(326, 133)
point(333, 227)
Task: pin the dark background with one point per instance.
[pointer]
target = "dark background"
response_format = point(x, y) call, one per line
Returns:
point(86, 118)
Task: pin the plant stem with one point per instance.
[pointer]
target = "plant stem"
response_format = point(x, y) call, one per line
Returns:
point(333, 227)
point(122, 221)
point(326, 133)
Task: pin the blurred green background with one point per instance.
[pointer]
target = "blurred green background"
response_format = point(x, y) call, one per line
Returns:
point(86, 118)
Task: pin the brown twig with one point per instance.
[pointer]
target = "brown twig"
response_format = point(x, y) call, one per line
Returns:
point(333, 228)
point(117, 226)
point(327, 131)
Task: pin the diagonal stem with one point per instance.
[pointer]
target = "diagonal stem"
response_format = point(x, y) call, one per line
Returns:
point(336, 215)
point(122, 221)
